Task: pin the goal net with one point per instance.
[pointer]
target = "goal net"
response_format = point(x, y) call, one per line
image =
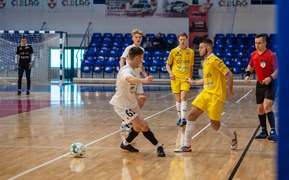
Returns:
point(46, 67)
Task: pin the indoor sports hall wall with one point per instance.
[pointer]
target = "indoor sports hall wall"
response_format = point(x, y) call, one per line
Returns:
point(259, 19)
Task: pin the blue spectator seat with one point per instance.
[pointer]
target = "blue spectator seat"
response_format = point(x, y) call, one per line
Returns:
point(166, 53)
point(102, 52)
point(107, 36)
point(246, 62)
point(272, 47)
point(86, 70)
point(171, 35)
point(97, 69)
point(241, 36)
point(230, 41)
point(164, 73)
point(230, 36)
point(108, 71)
point(151, 36)
point(147, 54)
point(155, 61)
point(91, 52)
point(157, 53)
point(238, 62)
point(248, 53)
point(219, 46)
point(106, 43)
point(127, 43)
point(229, 53)
point(112, 53)
point(154, 71)
point(228, 62)
point(115, 44)
point(251, 36)
point(97, 35)
point(219, 36)
point(239, 53)
point(110, 61)
point(127, 36)
point(237, 70)
point(240, 45)
point(146, 61)
point(218, 52)
point(118, 36)
point(120, 52)
point(94, 44)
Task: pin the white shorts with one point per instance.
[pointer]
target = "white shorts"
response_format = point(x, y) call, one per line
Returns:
point(127, 114)
point(139, 89)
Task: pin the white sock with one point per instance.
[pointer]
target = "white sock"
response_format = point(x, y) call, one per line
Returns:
point(159, 144)
point(178, 106)
point(125, 143)
point(190, 128)
point(226, 132)
point(183, 109)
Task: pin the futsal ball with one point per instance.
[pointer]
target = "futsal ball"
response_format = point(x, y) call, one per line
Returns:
point(77, 149)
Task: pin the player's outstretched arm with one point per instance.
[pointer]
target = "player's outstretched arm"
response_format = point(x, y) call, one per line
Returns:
point(135, 80)
point(195, 82)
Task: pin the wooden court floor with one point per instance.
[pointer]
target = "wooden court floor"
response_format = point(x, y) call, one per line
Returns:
point(36, 133)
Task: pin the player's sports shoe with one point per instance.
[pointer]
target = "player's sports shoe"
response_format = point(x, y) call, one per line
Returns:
point(125, 127)
point(129, 148)
point(273, 136)
point(263, 134)
point(27, 92)
point(160, 151)
point(181, 122)
point(19, 92)
point(184, 149)
point(178, 122)
point(234, 142)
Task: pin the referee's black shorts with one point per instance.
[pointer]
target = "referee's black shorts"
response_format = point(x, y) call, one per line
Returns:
point(265, 91)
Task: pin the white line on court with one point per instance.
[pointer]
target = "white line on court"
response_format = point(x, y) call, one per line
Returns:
point(244, 96)
point(222, 114)
point(57, 158)
point(164, 96)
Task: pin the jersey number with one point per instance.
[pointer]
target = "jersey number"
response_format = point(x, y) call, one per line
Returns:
point(129, 112)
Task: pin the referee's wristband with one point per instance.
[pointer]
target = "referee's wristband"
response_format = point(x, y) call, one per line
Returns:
point(271, 77)
point(248, 73)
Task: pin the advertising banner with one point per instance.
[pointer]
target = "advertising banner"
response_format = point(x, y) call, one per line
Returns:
point(46, 5)
point(198, 24)
point(147, 8)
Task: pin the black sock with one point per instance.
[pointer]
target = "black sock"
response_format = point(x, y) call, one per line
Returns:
point(262, 119)
point(150, 136)
point(133, 134)
point(271, 119)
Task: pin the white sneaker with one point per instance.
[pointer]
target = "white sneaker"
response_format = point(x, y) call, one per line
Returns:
point(125, 127)
point(184, 149)
point(234, 142)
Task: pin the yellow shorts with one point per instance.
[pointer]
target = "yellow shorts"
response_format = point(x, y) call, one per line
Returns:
point(209, 104)
point(178, 85)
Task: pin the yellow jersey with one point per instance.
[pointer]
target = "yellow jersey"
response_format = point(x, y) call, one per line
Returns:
point(214, 71)
point(181, 62)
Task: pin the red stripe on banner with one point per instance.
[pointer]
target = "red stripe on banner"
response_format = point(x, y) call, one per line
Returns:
point(198, 24)
point(11, 107)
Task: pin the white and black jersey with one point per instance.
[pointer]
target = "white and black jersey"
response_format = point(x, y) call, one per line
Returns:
point(24, 53)
point(124, 96)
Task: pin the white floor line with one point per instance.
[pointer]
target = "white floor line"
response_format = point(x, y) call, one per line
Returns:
point(244, 96)
point(55, 159)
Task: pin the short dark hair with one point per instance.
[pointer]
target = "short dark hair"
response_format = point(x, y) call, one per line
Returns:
point(263, 36)
point(207, 41)
point(135, 51)
point(183, 34)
